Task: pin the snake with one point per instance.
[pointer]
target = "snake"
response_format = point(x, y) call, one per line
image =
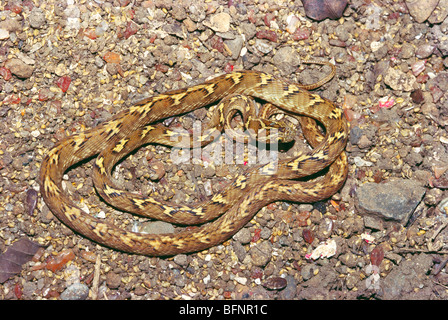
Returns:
point(259, 129)
point(226, 212)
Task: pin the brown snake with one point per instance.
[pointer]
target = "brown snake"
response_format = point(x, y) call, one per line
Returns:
point(240, 201)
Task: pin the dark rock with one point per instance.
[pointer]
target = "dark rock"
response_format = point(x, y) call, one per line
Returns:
point(393, 200)
point(322, 9)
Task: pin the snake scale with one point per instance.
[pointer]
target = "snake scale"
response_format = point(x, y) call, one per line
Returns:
point(227, 211)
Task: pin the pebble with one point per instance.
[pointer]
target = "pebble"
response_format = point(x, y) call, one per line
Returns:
point(181, 259)
point(424, 51)
point(400, 81)
point(263, 46)
point(308, 271)
point(239, 250)
point(11, 25)
point(275, 283)
point(37, 18)
point(4, 34)
point(286, 59)
point(393, 200)
point(243, 236)
point(220, 22)
point(156, 170)
point(420, 10)
point(113, 280)
point(157, 227)
point(440, 12)
point(31, 200)
point(19, 68)
point(76, 291)
point(261, 253)
point(359, 162)
point(235, 46)
point(29, 288)
point(320, 10)
point(241, 280)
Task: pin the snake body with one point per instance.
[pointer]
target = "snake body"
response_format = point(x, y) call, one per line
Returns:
point(260, 186)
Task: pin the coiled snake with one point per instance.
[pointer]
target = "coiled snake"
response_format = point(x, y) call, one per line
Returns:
point(229, 210)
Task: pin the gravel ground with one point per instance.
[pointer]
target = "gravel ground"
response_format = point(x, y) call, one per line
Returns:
point(68, 65)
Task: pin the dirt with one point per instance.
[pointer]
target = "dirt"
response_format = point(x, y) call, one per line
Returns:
point(74, 65)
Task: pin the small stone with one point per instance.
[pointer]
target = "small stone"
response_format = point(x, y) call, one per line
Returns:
point(112, 57)
point(372, 222)
point(4, 34)
point(113, 280)
point(243, 236)
point(442, 81)
point(286, 59)
point(418, 67)
point(35, 133)
point(157, 227)
point(239, 251)
point(349, 259)
point(424, 51)
point(393, 200)
point(19, 68)
point(377, 255)
point(156, 170)
point(61, 70)
point(263, 46)
point(178, 12)
point(268, 35)
point(241, 280)
point(398, 80)
point(293, 23)
point(364, 142)
point(261, 253)
point(190, 24)
point(248, 29)
point(308, 235)
point(220, 22)
point(275, 283)
point(29, 289)
point(37, 18)
point(421, 10)
point(64, 83)
point(308, 271)
point(77, 291)
point(320, 9)
point(417, 96)
point(181, 259)
point(11, 25)
point(440, 12)
point(235, 46)
point(31, 200)
point(140, 291)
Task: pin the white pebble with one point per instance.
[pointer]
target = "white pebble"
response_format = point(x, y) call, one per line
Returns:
point(4, 34)
point(241, 280)
point(35, 133)
point(101, 215)
point(362, 163)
